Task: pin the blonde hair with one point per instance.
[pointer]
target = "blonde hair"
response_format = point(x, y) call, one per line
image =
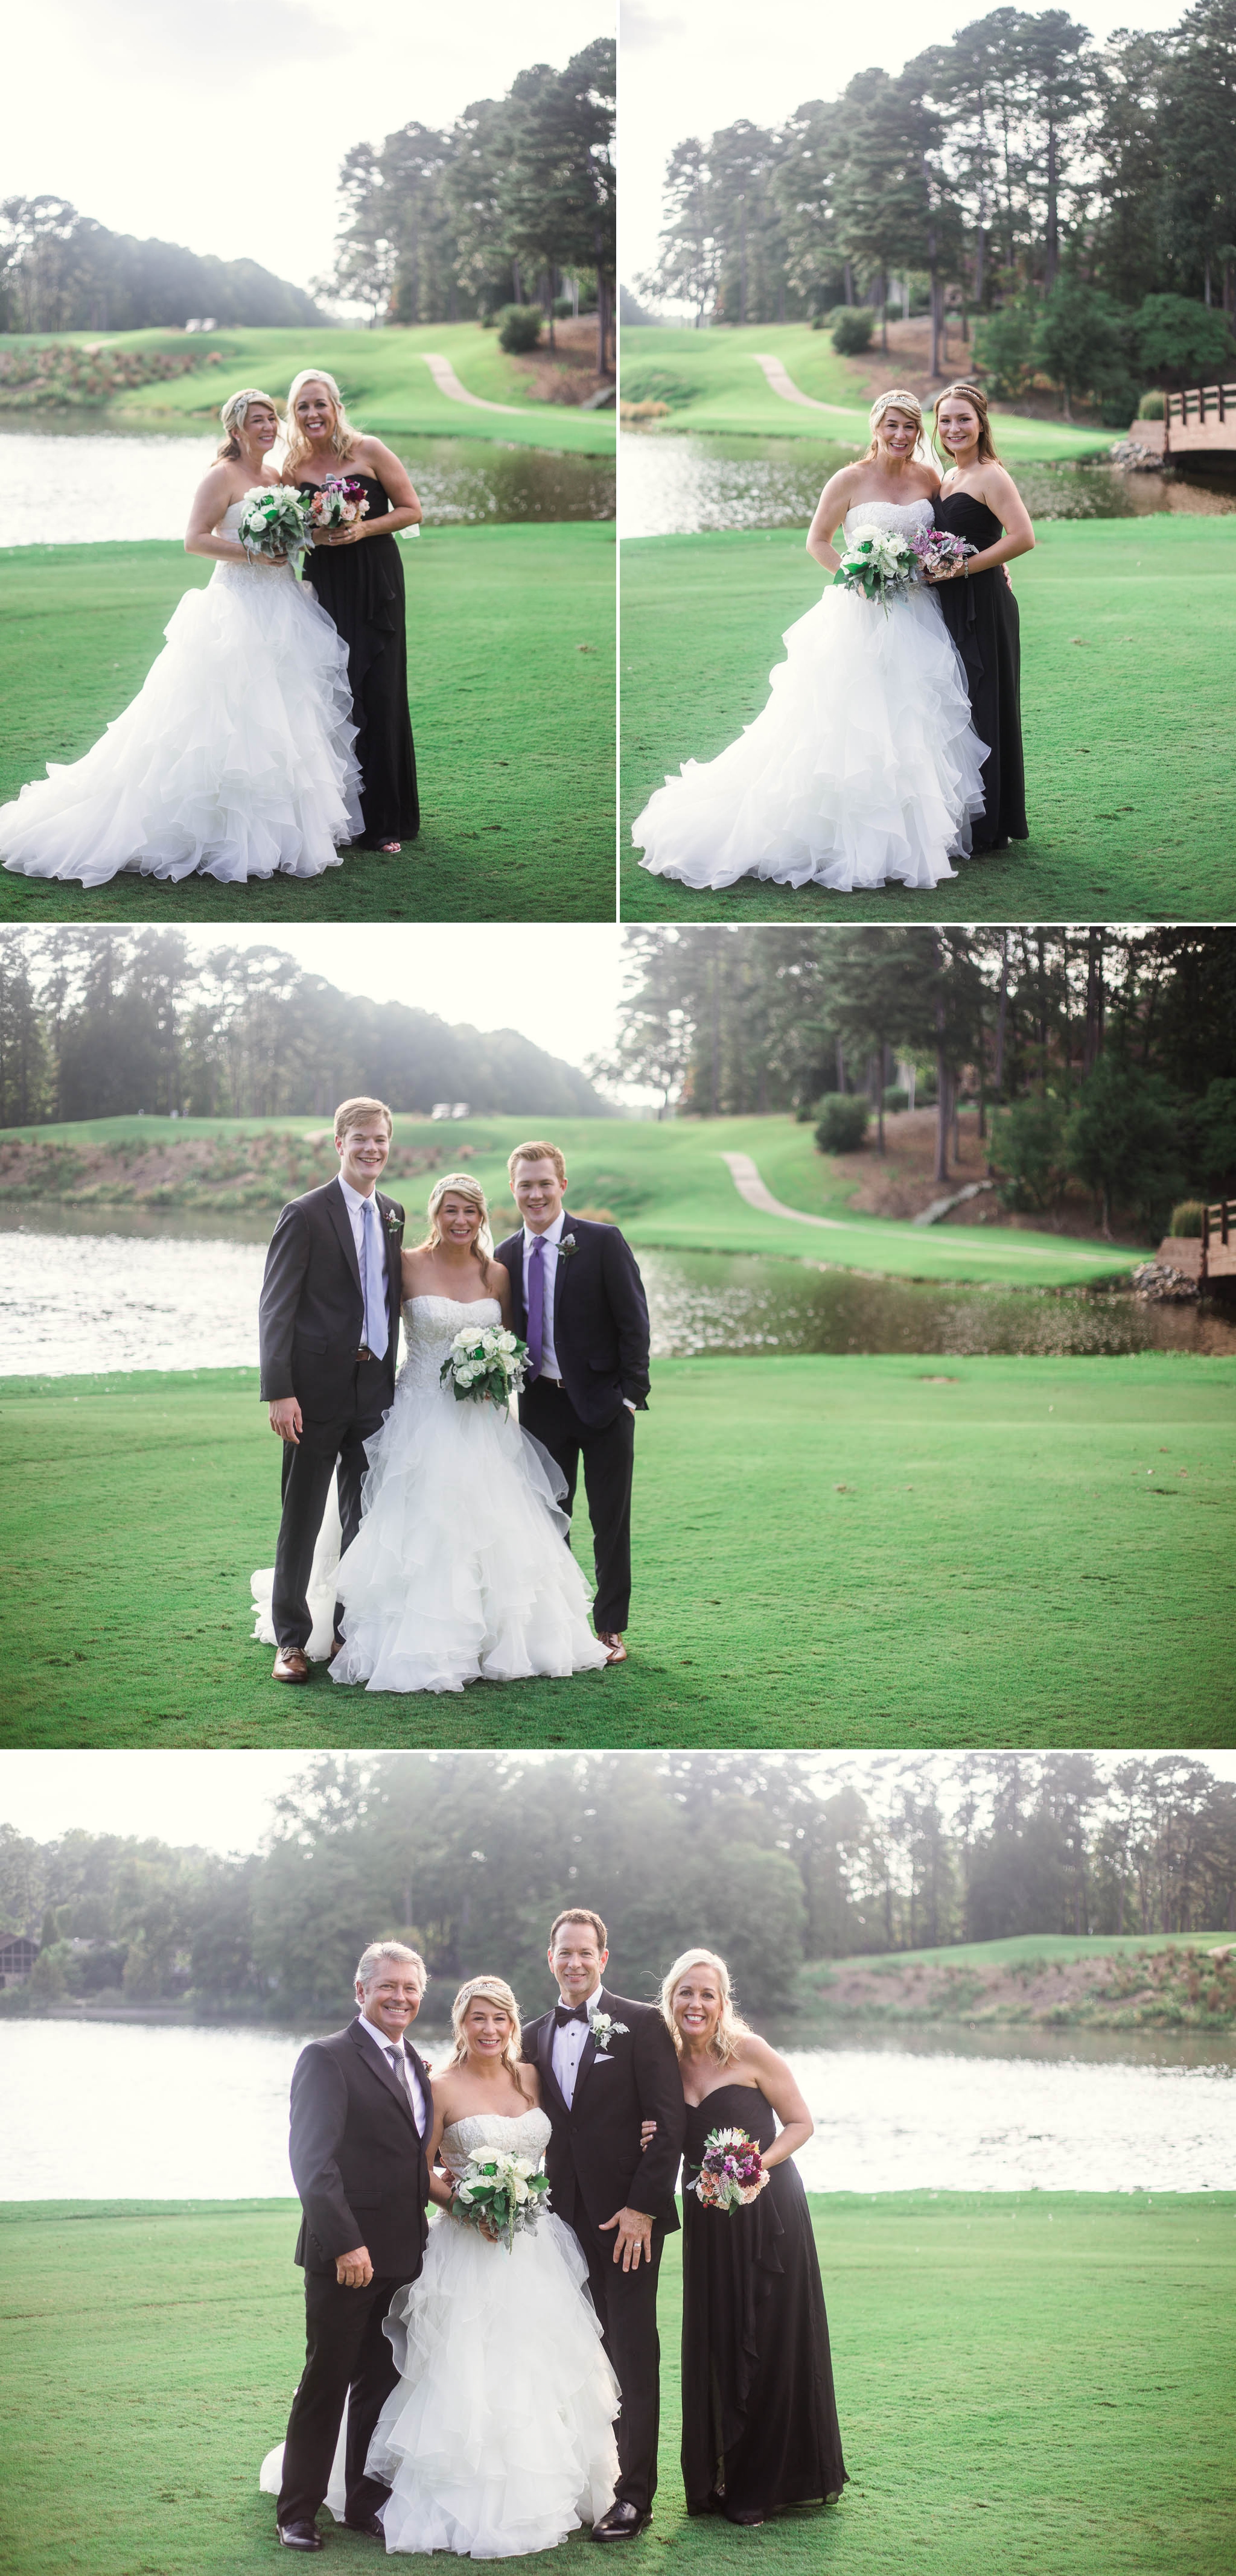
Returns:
point(494, 1990)
point(730, 2026)
point(467, 1187)
point(977, 400)
point(379, 1950)
point(343, 436)
point(536, 1153)
point(897, 400)
point(353, 1113)
point(234, 414)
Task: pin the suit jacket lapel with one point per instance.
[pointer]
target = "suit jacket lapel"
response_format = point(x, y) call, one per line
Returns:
point(588, 2053)
point(394, 1274)
point(562, 1272)
point(515, 1272)
point(337, 1210)
point(384, 2072)
point(545, 2057)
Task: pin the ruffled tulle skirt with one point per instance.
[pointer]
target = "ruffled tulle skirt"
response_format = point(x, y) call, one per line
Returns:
point(864, 767)
point(499, 2437)
point(235, 760)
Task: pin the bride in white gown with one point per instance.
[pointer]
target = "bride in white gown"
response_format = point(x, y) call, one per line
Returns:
point(235, 760)
point(459, 1571)
point(498, 2439)
point(864, 766)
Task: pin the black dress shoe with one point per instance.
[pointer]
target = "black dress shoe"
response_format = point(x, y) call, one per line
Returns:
point(369, 2524)
point(622, 2522)
point(299, 2535)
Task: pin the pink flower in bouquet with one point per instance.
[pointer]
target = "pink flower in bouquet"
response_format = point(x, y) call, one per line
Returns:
point(938, 550)
point(731, 2171)
point(338, 503)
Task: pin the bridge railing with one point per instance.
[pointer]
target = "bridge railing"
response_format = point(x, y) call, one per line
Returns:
point(1218, 1225)
point(1201, 405)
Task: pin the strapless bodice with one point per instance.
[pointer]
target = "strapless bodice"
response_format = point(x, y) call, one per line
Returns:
point(430, 1325)
point(903, 516)
point(527, 2133)
point(229, 526)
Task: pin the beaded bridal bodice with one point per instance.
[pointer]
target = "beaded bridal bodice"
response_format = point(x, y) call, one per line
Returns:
point(903, 516)
point(430, 1325)
point(527, 2134)
point(228, 526)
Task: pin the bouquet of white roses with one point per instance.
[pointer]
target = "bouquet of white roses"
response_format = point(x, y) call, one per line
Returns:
point(274, 521)
point(731, 2172)
point(485, 1365)
point(878, 564)
point(337, 503)
point(502, 2192)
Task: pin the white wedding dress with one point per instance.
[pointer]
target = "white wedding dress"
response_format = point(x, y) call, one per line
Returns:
point(499, 2437)
point(458, 1572)
point(235, 759)
point(863, 768)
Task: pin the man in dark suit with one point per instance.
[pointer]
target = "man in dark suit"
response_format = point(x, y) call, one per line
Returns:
point(328, 1335)
point(362, 2116)
point(578, 1302)
point(606, 2066)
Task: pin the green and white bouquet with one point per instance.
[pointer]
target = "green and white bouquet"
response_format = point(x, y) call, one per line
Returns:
point(501, 2192)
point(485, 1365)
point(878, 565)
point(274, 521)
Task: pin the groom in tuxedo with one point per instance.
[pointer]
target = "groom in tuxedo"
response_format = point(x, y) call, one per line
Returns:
point(362, 2115)
point(578, 1301)
point(328, 1338)
point(606, 2066)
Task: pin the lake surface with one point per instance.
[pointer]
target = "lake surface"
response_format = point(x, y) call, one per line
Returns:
point(68, 485)
point(164, 1293)
point(677, 484)
point(179, 2112)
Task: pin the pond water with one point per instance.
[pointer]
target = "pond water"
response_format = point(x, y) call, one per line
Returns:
point(160, 1293)
point(677, 484)
point(179, 2111)
point(68, 485)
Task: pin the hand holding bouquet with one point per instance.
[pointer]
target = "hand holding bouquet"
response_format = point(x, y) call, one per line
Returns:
point(274, 524)
point(940, 554)
point(877, 564)
point(500, 2194)
point(337, 504)
point(731, 2173)
point(485, 1365)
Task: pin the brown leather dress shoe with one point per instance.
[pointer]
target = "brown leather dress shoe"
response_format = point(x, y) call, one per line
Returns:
point(291, 1666)
point(617, 1651)
point(299, 2535)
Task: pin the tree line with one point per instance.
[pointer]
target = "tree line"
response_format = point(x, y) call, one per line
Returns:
point(1089, 188)
point(1127, 1038)
point(99, 1023)
point(62, 271)
point(760, 1857)
point(515, 202)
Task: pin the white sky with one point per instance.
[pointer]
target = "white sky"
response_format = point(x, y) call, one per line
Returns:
point(223, 1800)
point(222, 126)
point(692, 68)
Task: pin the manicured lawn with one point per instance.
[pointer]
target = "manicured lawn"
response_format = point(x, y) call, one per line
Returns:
point(382, 376)
point(905, 1551)
point(510, 678)
point(1128, 630)
point(1059, 2363)
point(732, 392)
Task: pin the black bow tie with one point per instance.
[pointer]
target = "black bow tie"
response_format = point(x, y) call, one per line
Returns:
point(563, 2013)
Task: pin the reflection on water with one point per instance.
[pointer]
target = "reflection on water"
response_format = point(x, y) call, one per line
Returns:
point(681, 484)
point(181, 2112)
point(73, 486)
point(162, 1293)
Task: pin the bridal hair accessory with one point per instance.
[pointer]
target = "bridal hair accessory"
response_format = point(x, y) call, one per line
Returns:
point(235, 412)
point(898, 400)
point(465, 1186)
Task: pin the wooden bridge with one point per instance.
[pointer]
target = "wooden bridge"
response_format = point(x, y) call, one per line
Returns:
point(1199, 423)
point(1210, 1254)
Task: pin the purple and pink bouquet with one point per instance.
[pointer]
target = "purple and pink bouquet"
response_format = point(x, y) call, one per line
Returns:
point(731, 2171)
point(337, 503)
point(938, 550)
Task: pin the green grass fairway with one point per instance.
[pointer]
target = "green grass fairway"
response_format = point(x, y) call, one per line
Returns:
point(1058, 2363)
point(894, 1551)
point(510, 676)
point(382, 375)
point(1128, 632)
point(733, 393)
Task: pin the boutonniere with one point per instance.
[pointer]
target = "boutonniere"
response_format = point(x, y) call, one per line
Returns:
point(567, 1247)
point(393, 1222)
point(604, 2029)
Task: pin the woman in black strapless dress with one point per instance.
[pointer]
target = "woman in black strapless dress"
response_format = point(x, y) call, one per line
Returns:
point(759, 2419)
point(979, 501)
point(357, 577)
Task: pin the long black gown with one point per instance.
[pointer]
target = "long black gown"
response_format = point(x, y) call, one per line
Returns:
point(759, 2419)
point(361, 588)
point(981, 616)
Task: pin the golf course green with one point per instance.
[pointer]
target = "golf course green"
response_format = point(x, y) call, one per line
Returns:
point(1035, 2381)
point(510, 679)
point(1127, 635)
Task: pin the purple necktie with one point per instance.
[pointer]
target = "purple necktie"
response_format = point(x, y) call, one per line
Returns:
point(536, 1306)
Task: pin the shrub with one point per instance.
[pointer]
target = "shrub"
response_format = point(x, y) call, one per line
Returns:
point(1004, 347)
point(654, 385)
point(842, 1124)
point(1028, 1147)
point(852, 330)
point(1186, 1218)
point(519, 328)
point(1123, 1139)
point(1118, 402)
point(1151, 407)
point(563, 308)
point(896, 1098)
point(1180, 342)
point(1081, 342)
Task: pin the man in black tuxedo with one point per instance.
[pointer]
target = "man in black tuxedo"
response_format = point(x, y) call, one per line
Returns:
point(606, 2066)
point(362, 2115)
point(578, 1301)
point(328, 1335)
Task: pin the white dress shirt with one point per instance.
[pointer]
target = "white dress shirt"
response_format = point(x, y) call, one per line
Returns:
point(406, 2072)
point(568, 2046)
point(551, 1239)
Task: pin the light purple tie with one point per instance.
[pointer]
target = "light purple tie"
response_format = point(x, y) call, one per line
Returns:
point(536, 1306)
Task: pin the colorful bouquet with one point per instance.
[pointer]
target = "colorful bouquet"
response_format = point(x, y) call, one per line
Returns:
point(274, 522)
point(337, 503)
point(504, 2193)
point(938, 549)
point(732, 2171)
point(485, 1365)
point(878, 565)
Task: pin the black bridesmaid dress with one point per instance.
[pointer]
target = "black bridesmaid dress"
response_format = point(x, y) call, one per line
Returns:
point(361, 588)
point(759, 2419)
point(981, 616)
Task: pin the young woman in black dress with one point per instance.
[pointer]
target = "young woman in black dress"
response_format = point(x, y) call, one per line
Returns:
point(759, 2420)
point(978, 500)
point(363, 592)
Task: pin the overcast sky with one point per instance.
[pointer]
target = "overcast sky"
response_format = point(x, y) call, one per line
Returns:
point(224, 1799)
point(690, 69)
point(223, 126)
